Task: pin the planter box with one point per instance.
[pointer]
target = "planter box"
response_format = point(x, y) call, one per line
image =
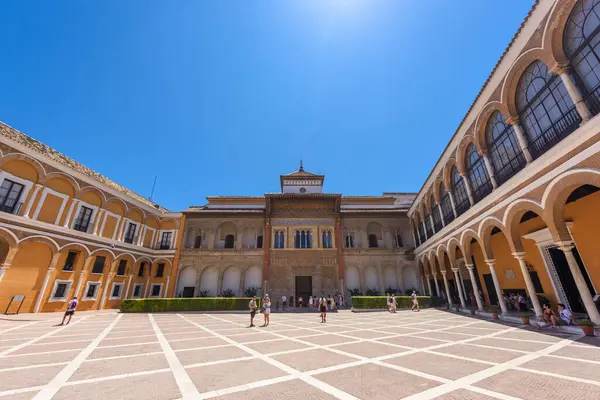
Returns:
point(187, 304)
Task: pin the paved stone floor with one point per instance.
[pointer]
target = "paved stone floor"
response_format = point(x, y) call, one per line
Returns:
point(427, 355)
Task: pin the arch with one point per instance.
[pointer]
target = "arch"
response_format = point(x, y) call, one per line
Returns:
point(485, 230)
point(93, 189)
point(253, 277)
point(482, 120)
point(163, 260)
point(231, 279)
point(509, 86)
point(461, 152)
point(41, 171)
point(451, 247)
point(389, 278)
point(477, 172)
point(117, 201)
point(446, 172)
point(410, 278)
point(187, 278)
point(226, 235)
point(352, 278)
point(371, 278)
point(135, 209)
point(10, 237)
point(556, 194)
point(41, 239)
point(59, 175)
point(512, 218)
point(73, 245)
point(103, 249)
point(167, 219)
point(209, 281)
point(128, 256)
point(436, 189)
point(552, 38)
point(143, 258)
point(465, 239)
point(459, 192)
point(375, 234)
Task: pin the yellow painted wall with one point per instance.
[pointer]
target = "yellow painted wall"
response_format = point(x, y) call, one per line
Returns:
point(135, 216)
point(148, 239)
point(50, 208)
point(22, 169)
point(26, 275)
point(92, 198)
point(167, 225)
point(115, 207)
point(61, 186)
point(109, 227)
point(59, 274)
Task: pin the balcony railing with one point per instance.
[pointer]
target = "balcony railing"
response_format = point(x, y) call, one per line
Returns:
point(10, 206)
point(130, 239)
point(555, 133)
point(593, 100)
point(83, 227)
point(511, 168)
point(482, 191)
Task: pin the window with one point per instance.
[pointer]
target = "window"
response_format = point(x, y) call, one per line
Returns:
point(478, 175)
point(160, 270)
point(141, 270)
point(165, 240)
point(545, 108)
point(398, 240)
point(98, 265)
point(446, 205)
point(82, 222)
point(198, 242)
point(461, 199)
point(61, 290)
point(582, 47)
point(421, 230)
point(373, 241)
point(155, 290)
point(122, 267)
point(326, 240)
point(70, 261)
point(130, 233)
point(137, 290)
point(92, 290)
point(115, 293)
point(505, 151)
point(428, 225)
point(303, 239)
point(279, 240)
point(436, 214)
point(417, 238)
point(229, 241)
point(349, 240)
point(10, 193)
point(259, 242)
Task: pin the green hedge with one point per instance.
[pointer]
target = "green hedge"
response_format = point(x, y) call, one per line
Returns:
point(373, 302)
point(187, 304)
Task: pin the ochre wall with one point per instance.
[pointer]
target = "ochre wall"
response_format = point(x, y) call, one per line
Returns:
point(50, 208)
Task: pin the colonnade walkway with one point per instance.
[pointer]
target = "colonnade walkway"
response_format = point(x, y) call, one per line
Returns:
point(431, 354)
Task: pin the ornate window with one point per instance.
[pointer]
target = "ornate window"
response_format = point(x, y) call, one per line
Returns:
point(417, 238)
point(478, 175)
point(421, 228)
point(428, 226)
point(446, 205)
point(349, 240)
point(229, 241)
point(545, 108)
point(198, 242)
point(303, 239)
point(437, 216)
point(373, 241)
point(326, 239)
point(459, 192)
point(581, 41)
point(505, 151)
point(279, 240)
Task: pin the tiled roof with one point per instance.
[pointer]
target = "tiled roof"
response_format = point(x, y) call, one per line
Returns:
point(46, 151)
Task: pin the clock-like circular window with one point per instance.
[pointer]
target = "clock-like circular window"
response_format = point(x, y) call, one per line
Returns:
point(302, 190)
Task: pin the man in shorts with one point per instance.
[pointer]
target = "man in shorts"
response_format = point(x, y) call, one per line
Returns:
point(70, 310)
point(415, 301)
point(252, 307)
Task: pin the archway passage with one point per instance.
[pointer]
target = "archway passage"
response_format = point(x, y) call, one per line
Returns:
point(371, 280)
point(410, 278)
point(352, 278)
point(209, 282)
point(187, 282)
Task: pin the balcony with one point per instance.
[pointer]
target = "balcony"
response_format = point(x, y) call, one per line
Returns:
point(556, 132)
point(130, 239)
point(82, 226)
point(10, 206)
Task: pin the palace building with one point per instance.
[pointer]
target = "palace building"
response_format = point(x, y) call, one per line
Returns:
point(511, 206)
point(67, 231)
point(299, 242)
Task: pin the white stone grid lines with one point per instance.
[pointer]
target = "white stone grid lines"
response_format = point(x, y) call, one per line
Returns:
point(294, 356)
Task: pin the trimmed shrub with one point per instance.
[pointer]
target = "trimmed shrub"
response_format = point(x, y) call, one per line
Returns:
point(187, 304)
point(374, 302)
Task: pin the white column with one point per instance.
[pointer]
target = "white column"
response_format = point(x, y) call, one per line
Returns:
point(107, 288)
point(12, 252)
point(501, 301)
point(470, 268)
point(242, 281)
point(427, 277)
point(529, 283)
point(582, 108)
point(147, 291)
point(3, 269)
point(437, 285)
point(431, 222)
point(36, 189)
point(459, 288)
point(40, 296)
point(448, 293)
point(97, 223)
point(584, 291)
point(424, 229)
point(451, 196)
point(127, 287)
point(514, 121)
point(490, 168)
point(468, 187)
point(166, 293)
point(439, 207)
point(74, 204)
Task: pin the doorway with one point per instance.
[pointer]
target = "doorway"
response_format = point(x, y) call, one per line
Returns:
point(566, 278)
point(303, 288)
point(491, 289)
point(188, 291)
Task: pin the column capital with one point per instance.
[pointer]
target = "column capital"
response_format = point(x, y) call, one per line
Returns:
point(560, 68)
point(444, 272)
point(565, 246)
point(454, 269)
point(512, 120)
point(470, 266)
point(427, 276)
point(483, 152)
point(434, 274)
point(5, 266)
point(519, 255)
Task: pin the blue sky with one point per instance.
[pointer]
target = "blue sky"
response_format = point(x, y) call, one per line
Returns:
point(221, 97)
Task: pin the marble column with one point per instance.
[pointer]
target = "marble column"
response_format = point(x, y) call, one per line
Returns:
point(501, 301)
point(459, 288)
point(468, 187)
point(520, 256)
point(471, 268)
point(40, 296)
point(36, 189)
point(562, 70)
point(428, 278)
point(437, 285)
point(451, 196)
point(514, 121)
point(489, 167)
point(448, 294)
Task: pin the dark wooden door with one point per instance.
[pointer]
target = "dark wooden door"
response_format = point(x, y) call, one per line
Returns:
point(303, 288)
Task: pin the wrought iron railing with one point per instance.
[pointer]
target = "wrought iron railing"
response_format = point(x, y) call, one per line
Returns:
point(555, 133)
point(11, 206)
point(482, 191)
point(511, 168)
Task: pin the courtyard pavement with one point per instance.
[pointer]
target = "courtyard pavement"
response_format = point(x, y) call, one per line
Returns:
point(432, 354)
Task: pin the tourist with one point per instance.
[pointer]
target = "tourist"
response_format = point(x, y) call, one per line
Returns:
point(566, 316)
point(323, 309)
point(522, 302)
point(252, 307)
point(415, 301)
point(394, 303)
point(267, 310)
point(341, 301)
point(277, 304)
point(310, 302)
point(292, 304)
point(388, 302)
point(284, 301)
point(300, 302)
point(548, 317)
point(70, 310)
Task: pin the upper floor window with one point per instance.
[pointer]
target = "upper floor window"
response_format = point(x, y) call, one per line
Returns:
point(505, 151)
point(417, 238)
point(165, 240)
point(421, 230)
point(10, 194)
point(130, 233)
point(545, 108)
point(98, 265)
point(279, 240)
point(428, 226)
point(141, 270)
point(83, 221)
point(478, 175)
point(259, 242)
point(446, 205)
point(398, 240)
point(326, 239)
point(122, 267)
point(198, 242)
point(229, 241)
point(349, 241)
point(70, 261)
point(160, 270)
point(459, 192)
point(436, 215)
point(582, 46)
point(303, 239)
